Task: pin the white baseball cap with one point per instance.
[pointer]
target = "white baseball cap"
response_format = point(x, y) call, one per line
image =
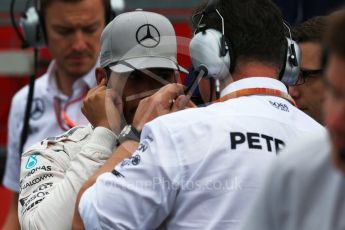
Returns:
point(139, 40)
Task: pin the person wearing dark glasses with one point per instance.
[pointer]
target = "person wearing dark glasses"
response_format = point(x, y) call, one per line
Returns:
point(309, 90)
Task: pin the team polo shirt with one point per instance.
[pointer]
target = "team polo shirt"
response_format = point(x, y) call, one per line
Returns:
point(199, 168)
point(43, 121)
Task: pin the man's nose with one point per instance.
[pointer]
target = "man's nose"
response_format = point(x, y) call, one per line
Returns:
point(79, 42)
point(295, 92)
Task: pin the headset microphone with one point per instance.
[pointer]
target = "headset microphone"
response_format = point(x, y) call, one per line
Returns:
point(203, 70)
point(201, 73)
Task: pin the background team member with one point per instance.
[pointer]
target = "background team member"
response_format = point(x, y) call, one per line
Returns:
point(201, 168)
point(72, 31)
point(53, 171)
point(305, 187)
point(309, 90)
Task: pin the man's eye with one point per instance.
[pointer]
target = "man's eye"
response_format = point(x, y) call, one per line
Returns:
point(165, 76)
point(90, 30)
point(64, 31)
point(134, 76)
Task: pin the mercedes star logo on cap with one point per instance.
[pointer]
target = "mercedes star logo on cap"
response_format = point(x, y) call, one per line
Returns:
point(148, 36)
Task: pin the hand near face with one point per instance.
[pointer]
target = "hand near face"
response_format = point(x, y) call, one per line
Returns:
point(102, 108)
point(168, 99)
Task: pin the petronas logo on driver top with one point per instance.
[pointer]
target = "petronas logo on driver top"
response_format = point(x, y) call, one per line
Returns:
point(32, 161)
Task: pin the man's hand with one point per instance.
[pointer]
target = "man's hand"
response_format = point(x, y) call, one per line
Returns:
point(103, 108)
point(168, 99)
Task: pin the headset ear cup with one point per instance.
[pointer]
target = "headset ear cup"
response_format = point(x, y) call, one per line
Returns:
point(116, 7)
point(290, 69)
point(32, 31)
point(205, 51)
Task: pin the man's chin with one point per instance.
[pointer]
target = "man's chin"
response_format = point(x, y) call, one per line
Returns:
point(78, 72)
point(79, 68)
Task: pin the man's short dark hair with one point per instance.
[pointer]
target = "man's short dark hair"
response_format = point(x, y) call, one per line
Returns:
point(312, 30)
point(44, 4)
point(335, 39)
point(254, 28)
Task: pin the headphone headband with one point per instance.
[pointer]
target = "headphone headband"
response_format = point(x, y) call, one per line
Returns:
point(211, 6)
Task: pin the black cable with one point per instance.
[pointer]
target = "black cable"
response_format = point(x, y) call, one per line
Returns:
point(26, 125)
point(27, 114)
point(14, 25)
point(25, 130)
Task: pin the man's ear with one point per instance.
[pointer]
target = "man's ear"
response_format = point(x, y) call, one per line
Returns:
point(100, 75)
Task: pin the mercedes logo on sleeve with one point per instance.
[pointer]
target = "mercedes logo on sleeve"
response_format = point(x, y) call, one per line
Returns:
point(148, 36)
point(37, 109)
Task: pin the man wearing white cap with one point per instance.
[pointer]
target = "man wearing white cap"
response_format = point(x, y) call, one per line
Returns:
point(138, 56)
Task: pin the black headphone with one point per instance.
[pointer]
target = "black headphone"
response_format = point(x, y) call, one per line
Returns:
point(32, 21)
point(221, 63)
